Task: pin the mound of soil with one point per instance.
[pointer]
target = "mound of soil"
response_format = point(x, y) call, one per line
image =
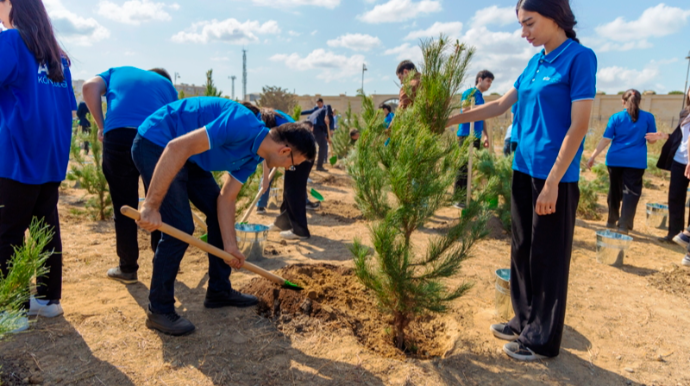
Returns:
point(495, 228)
point(333, 299)
point(14, 371)
point(343, 212)
point(333, 180)
point(675, 281)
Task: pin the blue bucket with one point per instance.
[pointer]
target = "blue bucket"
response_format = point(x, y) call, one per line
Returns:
point(251, 239)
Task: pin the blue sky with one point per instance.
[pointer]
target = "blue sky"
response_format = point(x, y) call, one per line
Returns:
point(319, 46)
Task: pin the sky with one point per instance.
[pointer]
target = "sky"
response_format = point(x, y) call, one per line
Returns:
point(319, 46)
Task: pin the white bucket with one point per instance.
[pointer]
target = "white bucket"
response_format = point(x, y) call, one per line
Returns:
point(611, 247)
point(657, 216)
point(251, 239)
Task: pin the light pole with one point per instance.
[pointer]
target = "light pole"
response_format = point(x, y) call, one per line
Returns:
point(364, 68)
point(177, 76)
point(233, 85)
point(685, 89)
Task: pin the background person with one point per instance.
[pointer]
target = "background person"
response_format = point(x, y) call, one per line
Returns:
point(552, 124)
point(388, 115)
point(319, 116)
point(626, 160)
point(175, 151)
point(84, 124)
point(510, 140)
point(132, 95)
point(36, 105)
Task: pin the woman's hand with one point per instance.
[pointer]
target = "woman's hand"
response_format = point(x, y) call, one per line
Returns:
point(546, 202)
point(590, 163)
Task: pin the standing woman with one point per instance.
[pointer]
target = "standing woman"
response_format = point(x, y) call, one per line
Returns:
point(36, 104)
point(555, 91)
point(627, 133)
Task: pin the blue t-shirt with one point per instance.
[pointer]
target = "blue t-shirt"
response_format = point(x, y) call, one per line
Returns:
point(388, 119)
point(628, 145)
point(35, 115)
point(234, 133)
point(464, 129)
point(133, 94)
point(283, 118)
point(514, 127)
point(546, 90)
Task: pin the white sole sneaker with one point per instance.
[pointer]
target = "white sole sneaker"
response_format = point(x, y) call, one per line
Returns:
point(520, 352)
point(47, 311)
point(499, 331)
point(288, 235)
point(686, 261)
point(273, 228)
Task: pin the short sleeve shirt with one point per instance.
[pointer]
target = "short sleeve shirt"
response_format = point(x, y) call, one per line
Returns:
point(133, 94)
point(546, 90)
point(234, 133)
point(464, 129)
point(628, 143)
point(35, 115)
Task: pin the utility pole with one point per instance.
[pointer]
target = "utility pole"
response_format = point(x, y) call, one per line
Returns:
point(177, 76)
point(244, 75)
point(364, 68)
point(685, 89)
point(233, 85)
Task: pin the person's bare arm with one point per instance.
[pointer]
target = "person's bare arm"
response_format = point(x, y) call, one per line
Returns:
point(580, 113)
point(603, 144)
point(92, 92)
point(226, 219)
point(486, 111)
point(176, 153)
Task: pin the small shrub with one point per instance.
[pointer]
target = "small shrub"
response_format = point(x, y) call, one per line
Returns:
point(587, 207)
point(601, 183)
point(277, 98)
point(342, 144)
point(497, 172)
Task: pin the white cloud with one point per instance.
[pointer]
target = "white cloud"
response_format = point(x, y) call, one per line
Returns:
point(314, 32)
point(406, 51)
point(602, 45)
point(615, 78)
point(293, 33)
point(395, 11)
point(330, 65)
point(296, 3)
point(135, 12)
point(356, 42)
point(229, 31)
point(452, 29)
point(494, 15)
point(72, 28)
point(657, 21)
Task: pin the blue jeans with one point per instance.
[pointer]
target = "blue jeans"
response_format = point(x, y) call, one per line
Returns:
point(263, 201)
point(191, 184)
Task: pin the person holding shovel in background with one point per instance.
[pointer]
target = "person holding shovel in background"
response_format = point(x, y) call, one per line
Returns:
point(175, 151)
point(319, 116)
point(132, 95)
point(628, 133)
point(36, 105)
point(555, 91)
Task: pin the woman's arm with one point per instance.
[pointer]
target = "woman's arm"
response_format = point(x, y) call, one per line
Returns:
point(486, 111)
point(603, 144)
point(580, 113)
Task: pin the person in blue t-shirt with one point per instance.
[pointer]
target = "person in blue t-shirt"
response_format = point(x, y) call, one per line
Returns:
point(482, 84)
point(627, 133)
point(321, 116)
point(175, 150)
point(555, 92)
point(132, 95)
point(510, 144)
point(388, 112)
point(36, 105)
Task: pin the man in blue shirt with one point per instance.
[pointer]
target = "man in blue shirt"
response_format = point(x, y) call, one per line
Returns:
point(175, 151)
point(320, 117)
point(482, 83)
point(132, 95)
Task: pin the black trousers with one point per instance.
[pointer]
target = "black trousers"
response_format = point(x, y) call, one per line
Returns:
point(19, 204)
point(625, 184)
point(322, 141)
point(123, 182)
point(677, 192)
point(461, 179)
point(293, 211)
point(540, 263)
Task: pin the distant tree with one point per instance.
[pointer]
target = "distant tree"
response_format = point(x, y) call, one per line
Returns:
point(181, 95)
point(277, 98)
point(649, 92)
point(676, 93)
point(495, 93)
point(621, 92)
point(211, 89)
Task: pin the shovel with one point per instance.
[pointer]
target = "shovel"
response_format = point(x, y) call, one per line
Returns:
point(189, 239)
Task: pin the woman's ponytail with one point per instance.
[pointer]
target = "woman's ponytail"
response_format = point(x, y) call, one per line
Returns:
point(633, 99)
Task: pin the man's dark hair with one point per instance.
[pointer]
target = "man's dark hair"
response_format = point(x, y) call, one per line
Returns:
point(353, 132)
point(483, 74)
point(297, 136)
point(251, 107)
point(386, 107)
point(405, 65)
point(319, 100)
point(162, 72)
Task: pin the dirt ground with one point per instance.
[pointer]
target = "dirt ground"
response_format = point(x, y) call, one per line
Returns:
point(624, 326)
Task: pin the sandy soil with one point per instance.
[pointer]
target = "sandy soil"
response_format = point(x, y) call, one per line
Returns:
point(625, 326)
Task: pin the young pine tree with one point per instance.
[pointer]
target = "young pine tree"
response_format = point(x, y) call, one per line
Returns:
point(211, 89)
point(497, 172)
point(401, 186)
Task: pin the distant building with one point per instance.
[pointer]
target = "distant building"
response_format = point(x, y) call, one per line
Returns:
point(254, 97)
point(190, 90)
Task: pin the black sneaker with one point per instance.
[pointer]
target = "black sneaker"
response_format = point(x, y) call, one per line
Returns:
point(313, 205)
point(118, 275)
point(229, 299)
point(611, 225)
point(521, 352)
point(261, 210)
point(502, 331)
point(622, 231)
point(321, 170)
point(171, 324)
point(665, 240)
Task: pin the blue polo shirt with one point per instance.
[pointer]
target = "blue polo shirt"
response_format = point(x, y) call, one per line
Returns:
point(464, 129)
point(628, 145)
point(234, 133)
point(283, 118)
point(514, 127)
point(388, 119)
point(133, 94)
point(546, 91)
point(35, 115)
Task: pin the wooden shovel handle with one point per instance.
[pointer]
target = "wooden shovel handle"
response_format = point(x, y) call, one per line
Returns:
point(189, 239)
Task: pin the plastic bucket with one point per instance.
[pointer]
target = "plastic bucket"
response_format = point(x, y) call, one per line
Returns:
point(657, 216)
point(251, 239)
point(275, 197)
point(504, 306)
point(611, 247)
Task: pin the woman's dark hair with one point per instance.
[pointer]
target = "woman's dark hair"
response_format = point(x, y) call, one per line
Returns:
point(268, 115)
point(297, 136)
point(633, 97)
point(161, 72)
point(386, 107)
point(557, 10)
point(483, 74)
point(30, 19)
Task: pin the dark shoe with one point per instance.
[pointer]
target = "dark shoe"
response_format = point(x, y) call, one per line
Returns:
point(502, 331)
point(171, 324)
point(321, 170)
point(260, 210)
point(459, 205)
point(313, 205)
point(521, 352)
point(682, 239)
point(229, 299)
point(127, 278)
point(622, 231)
point(665, 240)
point(611, 225)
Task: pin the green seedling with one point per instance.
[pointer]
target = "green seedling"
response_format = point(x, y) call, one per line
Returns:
point(333, 160)
point(316, 194)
